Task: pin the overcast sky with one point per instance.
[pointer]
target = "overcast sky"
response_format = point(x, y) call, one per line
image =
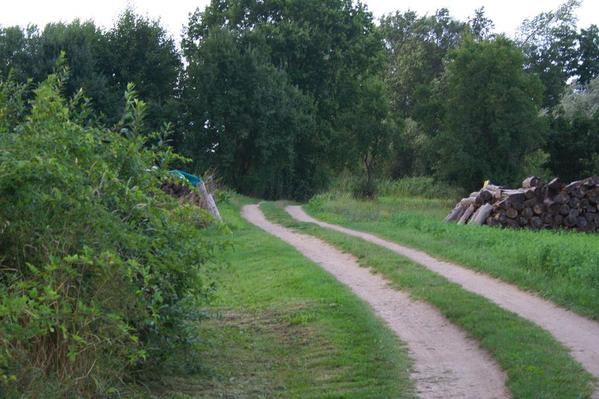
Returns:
point(507, 14)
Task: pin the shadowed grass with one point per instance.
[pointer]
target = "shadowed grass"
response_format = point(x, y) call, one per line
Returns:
point(537, 366)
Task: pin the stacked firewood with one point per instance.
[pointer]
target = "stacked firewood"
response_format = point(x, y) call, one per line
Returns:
point(184, 193)
point(535, 205)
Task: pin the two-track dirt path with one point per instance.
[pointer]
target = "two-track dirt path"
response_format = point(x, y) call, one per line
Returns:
point(447, 364)
point(577, 333)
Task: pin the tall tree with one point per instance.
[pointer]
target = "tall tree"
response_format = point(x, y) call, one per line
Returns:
point(140, 51)
point(492, 114)
point(247, 120)
point(588, 67)
point(481, 26)
point(102, 63)
point(416, 48)
point(82, 43)
point(573, 143)
point(16, 52)
point(327, 49)
point(549, 43)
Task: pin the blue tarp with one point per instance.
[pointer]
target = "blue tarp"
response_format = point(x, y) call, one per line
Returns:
point(193, 179)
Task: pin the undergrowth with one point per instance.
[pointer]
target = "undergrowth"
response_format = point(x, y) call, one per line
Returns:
point(100, 272)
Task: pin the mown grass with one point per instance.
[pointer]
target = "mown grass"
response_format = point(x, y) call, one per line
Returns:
point(537, 366)
point(558, 265)
point(281, 327)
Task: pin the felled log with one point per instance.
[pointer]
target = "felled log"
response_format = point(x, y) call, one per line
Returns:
point(555, 184)
point(466, 216)
point(531, 181)
point(511, 213)
point(455, 214)
point(481, 215)
point(527, 213)
point(536, 223)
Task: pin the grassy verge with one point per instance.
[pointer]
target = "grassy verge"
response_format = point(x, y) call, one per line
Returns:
point(561, 266)
point(282, 327)
point(536, 365)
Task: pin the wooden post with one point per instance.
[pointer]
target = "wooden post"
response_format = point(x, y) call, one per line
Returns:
point(209, 200)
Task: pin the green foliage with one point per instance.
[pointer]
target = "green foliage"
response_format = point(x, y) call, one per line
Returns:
point(588, 66)
point(491, 115)
point(101, 62)
point(536, 164)
point(573, 145)
point(417, 47)
point(580, 100)
point(100, 269)
point(281, 79)
point(248, 121)
point(407, 187)
point(12, 103)
point(365, 189)
point(549, 43)
point(420, 187)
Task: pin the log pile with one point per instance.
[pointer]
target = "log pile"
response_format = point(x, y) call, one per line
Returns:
point(184, 194)
point(535, 205)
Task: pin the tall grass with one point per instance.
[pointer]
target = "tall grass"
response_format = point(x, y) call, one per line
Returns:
point(421, 187)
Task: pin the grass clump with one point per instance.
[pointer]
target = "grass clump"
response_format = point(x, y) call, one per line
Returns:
point(537, 365)
point(100, 271)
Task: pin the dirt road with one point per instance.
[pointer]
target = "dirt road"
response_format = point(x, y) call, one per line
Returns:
point(577, 333)
point(447, 364)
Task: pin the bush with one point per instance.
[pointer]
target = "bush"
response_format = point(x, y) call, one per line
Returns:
point(365, 189)
point(99, 268)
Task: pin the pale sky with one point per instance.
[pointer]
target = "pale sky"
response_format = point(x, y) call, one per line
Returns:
point(507, 14)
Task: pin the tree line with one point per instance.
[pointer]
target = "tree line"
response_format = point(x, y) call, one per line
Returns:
point(278, 97)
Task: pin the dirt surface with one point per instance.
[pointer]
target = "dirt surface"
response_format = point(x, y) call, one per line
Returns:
point(577, 333)
point(447, 364)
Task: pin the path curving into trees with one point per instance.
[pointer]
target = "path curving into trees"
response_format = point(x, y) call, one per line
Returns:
point(447, 364)
point(577, 333)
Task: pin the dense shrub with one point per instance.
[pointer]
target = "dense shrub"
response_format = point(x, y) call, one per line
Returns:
point(364, 189)
point(98, 268)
